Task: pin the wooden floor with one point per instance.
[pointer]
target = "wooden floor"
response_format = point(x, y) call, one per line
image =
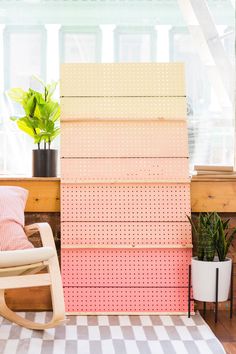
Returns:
point(224, 329)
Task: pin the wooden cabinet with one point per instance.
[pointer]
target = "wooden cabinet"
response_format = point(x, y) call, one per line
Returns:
point(44, 197)
point(125, 192)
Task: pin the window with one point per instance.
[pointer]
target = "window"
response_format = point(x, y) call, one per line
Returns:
point(80, 44)
point(211, 126)
point(24, 51)
point(137, 44)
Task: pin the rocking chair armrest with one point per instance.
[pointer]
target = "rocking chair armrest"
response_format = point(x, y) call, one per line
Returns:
point(31, 229)
point(45, 231)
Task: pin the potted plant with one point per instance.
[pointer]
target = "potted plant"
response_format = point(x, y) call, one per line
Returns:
point(40, 121)
point(213, 241)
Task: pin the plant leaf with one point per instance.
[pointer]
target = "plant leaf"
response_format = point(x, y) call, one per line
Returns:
point(17, 94)
point(22, 124)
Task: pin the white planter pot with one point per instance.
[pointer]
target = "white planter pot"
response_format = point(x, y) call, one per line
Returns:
point(204, 279)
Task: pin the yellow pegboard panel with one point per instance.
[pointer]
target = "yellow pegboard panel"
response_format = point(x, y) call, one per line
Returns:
point(124, 139)
point(123, 108)
point(122, 79)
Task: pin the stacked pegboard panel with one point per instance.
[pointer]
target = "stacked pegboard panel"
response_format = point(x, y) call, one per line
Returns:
point(125, 193)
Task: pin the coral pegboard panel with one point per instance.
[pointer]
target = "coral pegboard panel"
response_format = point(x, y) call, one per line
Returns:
point(119, 300)
point(127, 267)
point(104, 234)
point(125, 202)
point(125, 193)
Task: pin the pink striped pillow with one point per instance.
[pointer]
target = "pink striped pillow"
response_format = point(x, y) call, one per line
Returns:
point(12, 205)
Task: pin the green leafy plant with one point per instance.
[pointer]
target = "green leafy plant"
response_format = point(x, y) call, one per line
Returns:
point(213, 236)
point(42, 113)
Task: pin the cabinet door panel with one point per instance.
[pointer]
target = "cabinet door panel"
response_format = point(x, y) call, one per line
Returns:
point(122, 108)
point(82, 170)
point(126, 300)
point(122, 79)
point(140, 267)
point(124, 139)
point(125, 202)
point(125, 233)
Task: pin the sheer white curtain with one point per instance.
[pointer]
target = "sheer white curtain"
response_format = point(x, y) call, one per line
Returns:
point(24, 53)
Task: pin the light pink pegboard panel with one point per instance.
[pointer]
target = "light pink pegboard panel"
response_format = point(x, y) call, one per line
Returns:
point(123, 108)
point(128, 268)
point(124, 139)
point(124, 202)
point(80, 170)
point(129, 300)
point(122, 79)
point(125, 233)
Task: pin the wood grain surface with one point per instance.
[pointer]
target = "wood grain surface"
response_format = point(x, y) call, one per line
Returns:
point(44, 205)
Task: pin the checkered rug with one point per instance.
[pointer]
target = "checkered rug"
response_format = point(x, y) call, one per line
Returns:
point(111, 335)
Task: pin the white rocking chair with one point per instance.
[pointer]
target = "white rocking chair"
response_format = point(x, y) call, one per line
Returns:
point(18, 269)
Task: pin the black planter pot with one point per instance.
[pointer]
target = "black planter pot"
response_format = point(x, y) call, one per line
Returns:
point(44, 163)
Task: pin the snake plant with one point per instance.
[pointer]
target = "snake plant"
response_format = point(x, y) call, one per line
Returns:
point(213, 236)
point(224, 238)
